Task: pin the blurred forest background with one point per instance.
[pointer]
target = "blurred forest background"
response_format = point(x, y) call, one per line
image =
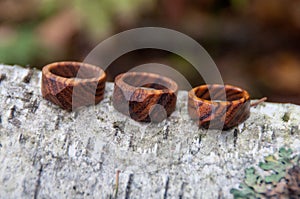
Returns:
point(255, 43)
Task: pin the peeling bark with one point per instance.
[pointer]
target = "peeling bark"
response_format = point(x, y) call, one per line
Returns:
point(46, 152)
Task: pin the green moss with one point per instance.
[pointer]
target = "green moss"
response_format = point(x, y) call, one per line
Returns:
point(286, 117)
point(276, 168)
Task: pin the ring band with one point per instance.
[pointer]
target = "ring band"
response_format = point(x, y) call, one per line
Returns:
point(71, 85)
point(137, 94)
point(209, 112)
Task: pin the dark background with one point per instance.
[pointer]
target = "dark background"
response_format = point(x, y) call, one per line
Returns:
point(255, 43)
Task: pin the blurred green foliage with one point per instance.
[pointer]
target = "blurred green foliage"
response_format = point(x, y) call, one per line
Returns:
point(97, 19)
point(101, 16)
point(239, 4)
point(48, 8)
point(20, 49)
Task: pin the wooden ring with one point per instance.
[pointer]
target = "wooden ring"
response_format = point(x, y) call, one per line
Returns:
point(71, 85)
point(137, 94)
point(218, 114)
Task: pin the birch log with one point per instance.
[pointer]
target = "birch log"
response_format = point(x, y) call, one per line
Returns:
point(46, 152)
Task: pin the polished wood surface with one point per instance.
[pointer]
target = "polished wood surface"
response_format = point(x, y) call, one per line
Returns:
point(145, 97)
point(71, 85)
point(218, 106)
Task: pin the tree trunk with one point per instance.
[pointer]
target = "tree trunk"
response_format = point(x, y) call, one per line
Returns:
point(46, 152)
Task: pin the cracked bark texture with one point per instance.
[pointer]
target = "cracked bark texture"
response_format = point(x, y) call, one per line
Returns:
point(46, 152)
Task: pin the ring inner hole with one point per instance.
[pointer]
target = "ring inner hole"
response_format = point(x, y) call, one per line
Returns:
point(75, 71)
point(216, 93)
point(145, 82)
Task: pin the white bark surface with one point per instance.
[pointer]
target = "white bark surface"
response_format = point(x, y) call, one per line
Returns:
point(46, 152)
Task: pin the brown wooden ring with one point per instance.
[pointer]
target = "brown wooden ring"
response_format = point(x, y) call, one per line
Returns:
point(215, 114)
point(136, 94)
point(71, 85)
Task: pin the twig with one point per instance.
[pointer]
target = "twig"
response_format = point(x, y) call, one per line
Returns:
point(258, 102)
point(117, 184)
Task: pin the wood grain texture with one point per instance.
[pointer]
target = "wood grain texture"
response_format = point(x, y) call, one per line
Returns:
point(218, 106)
point(71, 85)
point(145, 97)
